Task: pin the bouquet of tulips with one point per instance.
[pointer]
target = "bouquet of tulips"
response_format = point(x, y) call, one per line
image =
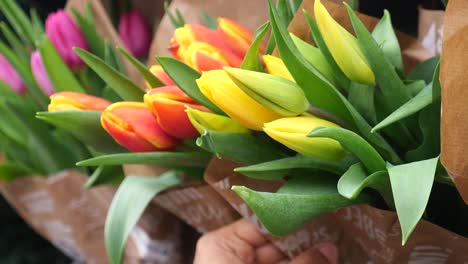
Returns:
point(336, 124)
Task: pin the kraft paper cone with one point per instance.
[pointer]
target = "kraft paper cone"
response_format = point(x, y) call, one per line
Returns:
point(195, 203)
point(363, 234)
point(72, 219)
point(430, 29)
point(453, 72)
point(105, 29)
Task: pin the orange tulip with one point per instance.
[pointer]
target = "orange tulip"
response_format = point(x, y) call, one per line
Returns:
point(168, 104)
point(133, 126)
point(236, 36)
point(208, 42)
point(159, 72)
point(76, 101)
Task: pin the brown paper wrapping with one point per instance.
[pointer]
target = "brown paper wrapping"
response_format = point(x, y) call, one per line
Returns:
point(363, 234)
point(72, 219)
point(195, 203)
point(453, 72)
point(430, 29)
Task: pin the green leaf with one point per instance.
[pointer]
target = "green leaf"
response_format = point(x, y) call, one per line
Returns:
point(37, 23)
point(96, 44)
point(355, 144)
point(123, 86)
point(425, 70)
point(416, 104)
point(251, 60)
point(10, 171)
point(295, 203)
point(411, 186)
point(185, 77)
point(165, 159)
point(11, 127)
point(209, 21)
point(129, 202)
point(19, 20)
point(244, 148)
point(149, 77)
point(436, 87)
point(320, 92)
point(361, 96)
point(105, 175)
point(355, 180)
point(177, 20)
point(415, 86)
point(385, 36)
point(84, 125)
point(59, 74)
point(112, 58)
point(15, 43)
point(389, 82)
point(264, 170)
point(340, 77)
point(284, 11)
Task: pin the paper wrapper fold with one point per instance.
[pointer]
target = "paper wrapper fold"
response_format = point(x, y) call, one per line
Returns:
point(454, 81)
point(195, 203)
point(430, 29)
point(363, 234)
point(72, 219)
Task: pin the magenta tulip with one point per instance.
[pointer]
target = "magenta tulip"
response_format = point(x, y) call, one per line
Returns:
point(40, 74)
point(135, 33)
point(65, 35)
point(9, 76)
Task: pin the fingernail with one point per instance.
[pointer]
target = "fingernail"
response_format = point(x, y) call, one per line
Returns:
point(329, 251)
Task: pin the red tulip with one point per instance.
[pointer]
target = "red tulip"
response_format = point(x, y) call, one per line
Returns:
point(168, 104)
point(133, 126)
point(135, 33)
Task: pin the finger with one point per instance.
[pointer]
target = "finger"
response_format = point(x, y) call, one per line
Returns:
point(248, 232)
point(268, 253)
point(325, 253)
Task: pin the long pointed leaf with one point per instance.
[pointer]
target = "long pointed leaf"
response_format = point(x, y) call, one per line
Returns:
point(251, 60)
point(128, 205)
point(149, 77)
point(123, 86)
point(411, 186)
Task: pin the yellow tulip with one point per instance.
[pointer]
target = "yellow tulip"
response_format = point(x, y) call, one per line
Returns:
point(202, 121)
point(221, 90)
point(278, 94)
point(292, 132)
point(343, 46)
point(275, 66)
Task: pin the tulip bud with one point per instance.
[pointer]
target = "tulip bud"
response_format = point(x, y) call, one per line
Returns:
point(275, 66)
point(159, 72)
point(237, 37)
point(168, 105)
point(9, 76)
point(133, 126)
point(315, 57)
point(344, 47)
point(62, 101)
point(135, 33)
point(40, 74)
point(208, 121)
point(224, 93)
point(215, 48)
point(278, 94)
point(65, 35)
point(292, 132)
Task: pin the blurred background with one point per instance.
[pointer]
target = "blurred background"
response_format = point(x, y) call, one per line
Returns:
point(18, 242)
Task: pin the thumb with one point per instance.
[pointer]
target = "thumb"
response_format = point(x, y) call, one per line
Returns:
point(324, 253)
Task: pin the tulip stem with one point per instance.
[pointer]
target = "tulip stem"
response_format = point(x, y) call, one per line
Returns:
point(327, 116)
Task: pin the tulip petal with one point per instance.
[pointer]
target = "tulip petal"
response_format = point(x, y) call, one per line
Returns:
point(237, 37)
point(275, 66)
point(202, 121)
point(221, 90)
point(76, 101)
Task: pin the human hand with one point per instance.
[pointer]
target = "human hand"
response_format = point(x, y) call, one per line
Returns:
point(241, 242)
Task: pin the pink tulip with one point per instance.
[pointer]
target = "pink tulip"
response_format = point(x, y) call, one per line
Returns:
point(135, 33)
point(9, 76)
point(40, 74)
point(65, 35)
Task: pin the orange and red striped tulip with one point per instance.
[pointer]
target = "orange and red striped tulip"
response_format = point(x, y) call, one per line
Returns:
point(168, 104)
point(76, 101)
point(237, 37)
point(133, 125)
point(159, 72)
